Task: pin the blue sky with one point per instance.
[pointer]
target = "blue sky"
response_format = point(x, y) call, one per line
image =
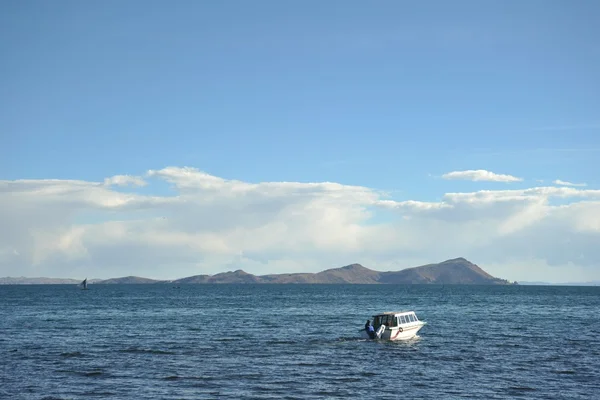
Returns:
point(388, 95)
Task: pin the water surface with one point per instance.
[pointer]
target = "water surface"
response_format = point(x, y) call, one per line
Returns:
point(296, 341)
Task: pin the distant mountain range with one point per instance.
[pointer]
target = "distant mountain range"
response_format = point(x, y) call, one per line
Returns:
point(537, 283)
point(455, 271)
point(128, 280)
point(37, 281)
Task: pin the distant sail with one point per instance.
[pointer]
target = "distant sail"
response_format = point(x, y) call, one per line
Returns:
point(84, 284)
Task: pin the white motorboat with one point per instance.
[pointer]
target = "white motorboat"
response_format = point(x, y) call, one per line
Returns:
point(394, 325)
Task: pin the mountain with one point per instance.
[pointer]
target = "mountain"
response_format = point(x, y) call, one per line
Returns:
point(238, 276)
point(537, 283)
point(193, 279)
point(354, 273)
point(128, 280)
point(455, 271)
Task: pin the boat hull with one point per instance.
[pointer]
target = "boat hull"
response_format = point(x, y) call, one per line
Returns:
point(398, 333)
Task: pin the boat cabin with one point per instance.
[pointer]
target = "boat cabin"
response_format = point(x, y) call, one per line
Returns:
point(393, 325)
point(393, 319)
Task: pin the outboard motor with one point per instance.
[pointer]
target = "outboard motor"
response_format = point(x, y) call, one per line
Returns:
point(380, 331)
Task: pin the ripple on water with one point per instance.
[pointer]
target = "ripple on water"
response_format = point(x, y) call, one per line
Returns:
point(146, 342)
point(135, 350)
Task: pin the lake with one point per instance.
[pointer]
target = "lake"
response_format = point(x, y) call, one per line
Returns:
point(297, 342)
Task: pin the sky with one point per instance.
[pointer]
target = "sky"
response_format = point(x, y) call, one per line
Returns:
point(166, 140)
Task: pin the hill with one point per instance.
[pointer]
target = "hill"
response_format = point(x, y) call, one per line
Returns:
point(353, 273)
point(538, 283)
point(238, 276)
point(454, 271)
point(127, 280)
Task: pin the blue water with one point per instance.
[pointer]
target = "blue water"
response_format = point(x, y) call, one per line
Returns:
point(297, 341)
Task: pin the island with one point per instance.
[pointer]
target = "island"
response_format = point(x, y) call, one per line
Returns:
point(455, 271)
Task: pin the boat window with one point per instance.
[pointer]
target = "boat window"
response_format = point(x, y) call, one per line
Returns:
point(394, 321)
point(415, 317)
point(410, 318)
point(402, 320)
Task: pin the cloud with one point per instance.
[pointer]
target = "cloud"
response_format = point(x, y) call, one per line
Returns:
point(209, 224)
point(565, 183)
point(124, 180)
point(480, 175)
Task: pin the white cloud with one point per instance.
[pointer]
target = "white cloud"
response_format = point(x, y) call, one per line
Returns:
point(124, 180)
point(481, 175)
point(67, 228)
point(565, 183)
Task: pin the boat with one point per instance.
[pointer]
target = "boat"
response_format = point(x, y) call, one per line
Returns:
point(395, 325)
point(84, 284)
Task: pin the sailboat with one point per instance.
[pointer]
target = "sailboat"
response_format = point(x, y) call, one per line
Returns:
point(84, 284)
